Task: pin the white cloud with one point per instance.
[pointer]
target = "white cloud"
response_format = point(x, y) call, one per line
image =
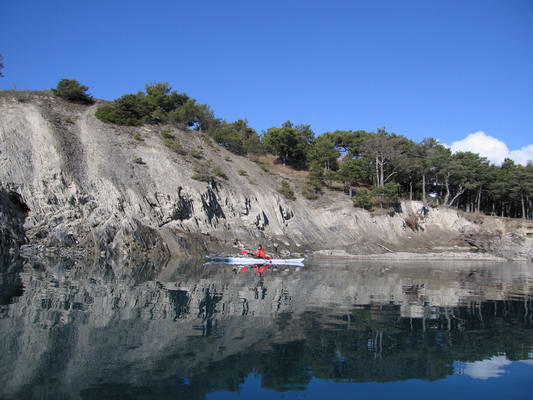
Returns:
point(494, 149)
point(491, 368)
point(523, 155)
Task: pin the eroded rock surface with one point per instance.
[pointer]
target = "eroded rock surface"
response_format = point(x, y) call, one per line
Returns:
point(97, 187)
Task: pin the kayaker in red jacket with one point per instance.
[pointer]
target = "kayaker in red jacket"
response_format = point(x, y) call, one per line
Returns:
point(260, 253)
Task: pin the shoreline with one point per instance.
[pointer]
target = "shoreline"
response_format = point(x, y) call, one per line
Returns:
point(407, 256)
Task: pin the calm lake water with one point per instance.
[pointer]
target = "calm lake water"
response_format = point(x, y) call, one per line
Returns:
point(332, 329)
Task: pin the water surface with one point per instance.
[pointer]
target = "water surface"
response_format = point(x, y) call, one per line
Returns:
point(332, 328)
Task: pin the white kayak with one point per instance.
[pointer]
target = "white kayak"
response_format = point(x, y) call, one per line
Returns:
point(255, 261)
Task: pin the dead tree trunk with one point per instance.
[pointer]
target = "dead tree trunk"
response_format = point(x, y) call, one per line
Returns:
point(424, 187)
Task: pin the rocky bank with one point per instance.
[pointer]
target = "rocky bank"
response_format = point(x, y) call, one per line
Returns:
point(70, 183)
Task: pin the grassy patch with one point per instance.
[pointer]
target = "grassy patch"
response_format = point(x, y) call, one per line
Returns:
point(201, 177)
point(175, 146)
point(286, 190)
point(263, 166)
point(165, 133)
point(205, 172)
point(309, 193)
point(202, 171)
point(219, 173)
point(198, 154)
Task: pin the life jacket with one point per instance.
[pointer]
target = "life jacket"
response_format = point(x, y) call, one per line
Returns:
point(261, 253)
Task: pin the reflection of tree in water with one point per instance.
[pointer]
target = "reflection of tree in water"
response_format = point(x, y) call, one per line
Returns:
point(366, 346)
point(282, 338)
point(11, 287)
point(181, 301)
point(260, 290)
point(208, 306)
point(207, 310)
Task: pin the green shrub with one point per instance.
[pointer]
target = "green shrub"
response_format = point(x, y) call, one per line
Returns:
point(243, 172)
point(309, 193)
point(315, 178)
point(237, 137)
point(72, 90)
point(138, 160)
point(219, 173)
point(130, 109)
point(157, 104)
point(192, 115)
point(137, 136)
point(198, 154)
point(166, 134)
point(388, 194)
point(314, 182)
point(201, 177)
point(286, 190)
point(263, 166)
point(228, 159)
point(202, 171)
point(175, 146)
point(363, 198)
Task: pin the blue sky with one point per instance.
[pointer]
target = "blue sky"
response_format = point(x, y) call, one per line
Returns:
point(420, 68)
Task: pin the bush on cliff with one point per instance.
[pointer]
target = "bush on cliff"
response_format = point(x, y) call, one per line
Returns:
point(388, 194)
point(157, 104)
point(175, 146)
point(130, 110)
point(72, 90)
point(204, 171)
point(363, 198)
point(237, 137)
point(286, 190)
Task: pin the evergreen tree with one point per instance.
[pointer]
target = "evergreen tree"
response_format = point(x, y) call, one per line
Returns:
point(290, 143)
point(72, 90)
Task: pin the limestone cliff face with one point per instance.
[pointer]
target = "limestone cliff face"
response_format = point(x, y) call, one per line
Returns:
point(117, 190)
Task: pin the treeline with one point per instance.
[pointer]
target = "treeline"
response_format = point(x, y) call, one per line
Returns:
point(382, 167)
point(373, 168)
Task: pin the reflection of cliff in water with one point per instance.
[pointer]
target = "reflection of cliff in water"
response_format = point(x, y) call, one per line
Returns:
point(83, 335)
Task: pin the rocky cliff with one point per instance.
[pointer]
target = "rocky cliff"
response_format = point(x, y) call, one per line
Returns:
point(111, 191)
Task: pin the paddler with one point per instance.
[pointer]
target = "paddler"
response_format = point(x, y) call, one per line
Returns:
point(260, 253)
